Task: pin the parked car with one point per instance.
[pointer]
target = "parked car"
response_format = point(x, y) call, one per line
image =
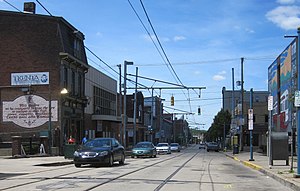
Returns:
point(144, 149)
point(175, 147)
point(202, 146)
point(100, 151)
point(163, 148)
point(212, 146)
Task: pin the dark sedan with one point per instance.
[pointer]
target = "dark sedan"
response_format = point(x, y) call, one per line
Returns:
point(100, 151)
point(212, 146)
point(143, 149)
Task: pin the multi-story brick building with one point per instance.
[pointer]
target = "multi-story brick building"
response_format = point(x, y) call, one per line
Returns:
point(41, 55)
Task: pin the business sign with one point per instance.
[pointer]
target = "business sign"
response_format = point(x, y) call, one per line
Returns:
point(297, 99)
point(34, 78)
point(270, 103)
point(29, 111)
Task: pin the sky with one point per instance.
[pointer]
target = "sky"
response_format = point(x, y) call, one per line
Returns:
point(200, 41)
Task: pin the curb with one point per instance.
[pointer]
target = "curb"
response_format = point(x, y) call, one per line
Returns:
point(282, 180)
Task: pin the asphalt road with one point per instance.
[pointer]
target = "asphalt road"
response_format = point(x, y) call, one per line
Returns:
point(191, 169)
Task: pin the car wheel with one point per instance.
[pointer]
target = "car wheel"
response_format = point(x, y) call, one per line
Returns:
point(154, 156)
point(122, 161)
point(207, 150)
point(110, 161)
point(132, 156)
point(77, 165)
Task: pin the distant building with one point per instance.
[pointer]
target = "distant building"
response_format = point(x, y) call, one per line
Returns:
point(260, 118)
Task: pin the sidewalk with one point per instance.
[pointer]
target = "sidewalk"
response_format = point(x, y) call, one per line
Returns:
point(279, 171)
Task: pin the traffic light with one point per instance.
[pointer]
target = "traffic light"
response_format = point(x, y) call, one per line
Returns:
point(172, 100)
point(199, 111)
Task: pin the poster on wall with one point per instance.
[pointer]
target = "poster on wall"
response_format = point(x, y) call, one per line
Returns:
point(29, 111)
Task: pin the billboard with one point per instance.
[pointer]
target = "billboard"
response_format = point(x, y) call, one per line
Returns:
point(282, 82)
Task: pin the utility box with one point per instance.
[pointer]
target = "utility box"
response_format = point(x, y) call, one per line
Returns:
point(279, 147)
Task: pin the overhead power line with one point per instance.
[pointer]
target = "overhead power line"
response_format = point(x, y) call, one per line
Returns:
point(12, 5)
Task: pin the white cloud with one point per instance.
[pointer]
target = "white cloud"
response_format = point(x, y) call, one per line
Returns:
point(218, 77)
point(286, 1)
point(179, 38)
point(97, 34)
point(286, 17)
point(222, 72)
point(249, 30)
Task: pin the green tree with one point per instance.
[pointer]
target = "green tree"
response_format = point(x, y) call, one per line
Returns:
point(216, 129)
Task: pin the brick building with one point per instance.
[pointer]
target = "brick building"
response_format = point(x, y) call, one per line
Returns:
point(41, 55)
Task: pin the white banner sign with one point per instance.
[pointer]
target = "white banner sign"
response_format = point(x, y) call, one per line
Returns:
point(35, 78)
point(29, 111)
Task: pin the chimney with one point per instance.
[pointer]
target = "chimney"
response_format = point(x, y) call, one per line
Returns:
point(29, 7)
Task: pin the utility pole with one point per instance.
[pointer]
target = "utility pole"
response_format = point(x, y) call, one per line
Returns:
point(135, 109)
point(120, 102)
point(298, 109)
point(242, 100)
point(152, 110)
point(125, 104)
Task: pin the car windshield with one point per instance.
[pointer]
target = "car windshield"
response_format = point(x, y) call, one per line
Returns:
point(174, 144)
point(142, 145)
point(162, 144)
point(98, 143)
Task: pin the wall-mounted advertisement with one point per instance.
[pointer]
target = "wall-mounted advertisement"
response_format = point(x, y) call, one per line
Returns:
point(34, 78)
point(282, 82)
point(29, 111)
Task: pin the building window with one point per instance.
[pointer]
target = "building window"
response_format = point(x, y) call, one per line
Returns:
point(66, 77)
point(77, 48)
point(73, 83)
point(104, 102)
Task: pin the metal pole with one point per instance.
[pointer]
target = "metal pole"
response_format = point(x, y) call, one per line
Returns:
point(134, 107)
point(120, 102)
point(298, 109)
point(152, 110)
point(270, 131)
point(125, 104)
point(242, 91)
point(232, 104)
point(49, 125)
point(251, 130)
point(224, 136)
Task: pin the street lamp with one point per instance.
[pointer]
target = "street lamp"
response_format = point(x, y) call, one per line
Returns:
point(63, 91)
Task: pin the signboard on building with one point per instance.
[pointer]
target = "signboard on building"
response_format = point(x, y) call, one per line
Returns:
point(34, 78)
point(29, 111)
point(297, 99)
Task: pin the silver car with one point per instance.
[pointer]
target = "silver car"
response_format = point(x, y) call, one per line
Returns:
point(175, 147)
point(163, 148)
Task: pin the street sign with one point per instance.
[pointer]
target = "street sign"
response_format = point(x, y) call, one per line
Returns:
point(250, 124)
point(250, 114)
point(250, 119)
point(270, 103)
point(297, 98)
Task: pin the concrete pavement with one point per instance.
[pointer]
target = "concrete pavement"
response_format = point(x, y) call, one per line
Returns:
point(279, 171)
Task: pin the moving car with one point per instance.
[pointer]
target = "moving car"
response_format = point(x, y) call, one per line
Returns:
point(144, 149)
point(163, 148)
point(202, 146)
point(212, 146)
point(175, 147)
point(100, 151)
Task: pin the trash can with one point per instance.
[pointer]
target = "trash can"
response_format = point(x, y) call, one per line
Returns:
point(235, 149)
point(69, 150)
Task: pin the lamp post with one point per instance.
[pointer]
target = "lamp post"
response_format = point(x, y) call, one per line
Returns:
point(63, 91)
